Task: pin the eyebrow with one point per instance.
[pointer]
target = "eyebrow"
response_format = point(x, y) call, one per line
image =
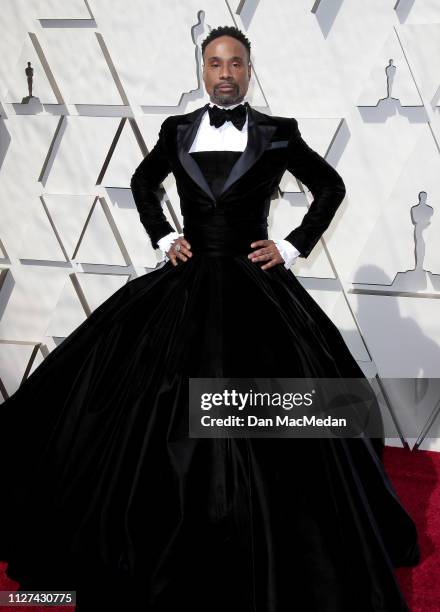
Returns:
point(215, 57)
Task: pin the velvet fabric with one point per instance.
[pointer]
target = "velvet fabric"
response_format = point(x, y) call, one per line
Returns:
point(274, 146)
point(104, 492)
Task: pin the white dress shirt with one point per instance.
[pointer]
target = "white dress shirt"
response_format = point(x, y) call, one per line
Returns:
point(225, 138)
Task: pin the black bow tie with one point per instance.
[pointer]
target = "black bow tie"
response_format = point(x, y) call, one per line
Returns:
point(237, 115)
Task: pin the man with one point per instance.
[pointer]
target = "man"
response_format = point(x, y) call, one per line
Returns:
point(270, 145)
point(139, 512)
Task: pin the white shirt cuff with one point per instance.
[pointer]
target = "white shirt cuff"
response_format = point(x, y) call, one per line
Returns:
point(288, 252)
point(166, 241)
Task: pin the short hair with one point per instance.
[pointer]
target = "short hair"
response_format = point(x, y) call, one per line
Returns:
point(226, 31)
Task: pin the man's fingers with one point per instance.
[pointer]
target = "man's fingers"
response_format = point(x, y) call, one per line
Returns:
point(175, 255)
point(269, 264)
point(259, 257)
point(261, 254)
point(273, 262)
point(183, 254)
point(259, 243)
point(185, 251)
point(268, 253)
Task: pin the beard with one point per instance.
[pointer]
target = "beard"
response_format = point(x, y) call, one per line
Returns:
point(226, 97)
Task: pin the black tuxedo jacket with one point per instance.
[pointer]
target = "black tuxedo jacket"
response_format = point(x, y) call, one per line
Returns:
point(274, 145)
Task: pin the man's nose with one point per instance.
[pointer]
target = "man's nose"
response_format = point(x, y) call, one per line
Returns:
point(225, 72)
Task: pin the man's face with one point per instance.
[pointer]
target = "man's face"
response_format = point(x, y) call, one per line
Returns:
point(226, 71)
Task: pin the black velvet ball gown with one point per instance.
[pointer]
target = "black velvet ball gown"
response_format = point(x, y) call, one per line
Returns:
point(103, 492)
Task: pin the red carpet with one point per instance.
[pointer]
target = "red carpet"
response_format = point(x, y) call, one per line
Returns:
point(415, 477)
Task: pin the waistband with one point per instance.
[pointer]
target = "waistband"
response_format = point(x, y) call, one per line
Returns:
point(218, 238)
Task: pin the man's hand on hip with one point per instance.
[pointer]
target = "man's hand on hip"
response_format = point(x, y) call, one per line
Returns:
point(183, 252)
point(266, 251)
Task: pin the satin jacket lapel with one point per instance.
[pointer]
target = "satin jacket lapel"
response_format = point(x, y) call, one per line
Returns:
point(259, 134)
point(186, 132)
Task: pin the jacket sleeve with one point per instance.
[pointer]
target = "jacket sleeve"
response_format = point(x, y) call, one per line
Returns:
point(145, 186)
point(327, 188)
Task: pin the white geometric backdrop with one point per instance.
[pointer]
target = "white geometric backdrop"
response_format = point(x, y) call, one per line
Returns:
point(363, 81)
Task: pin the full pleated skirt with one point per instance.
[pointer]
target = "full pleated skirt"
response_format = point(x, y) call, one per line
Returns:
point(104, 492)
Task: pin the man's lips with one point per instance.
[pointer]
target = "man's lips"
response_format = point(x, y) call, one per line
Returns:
point(226, 86)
